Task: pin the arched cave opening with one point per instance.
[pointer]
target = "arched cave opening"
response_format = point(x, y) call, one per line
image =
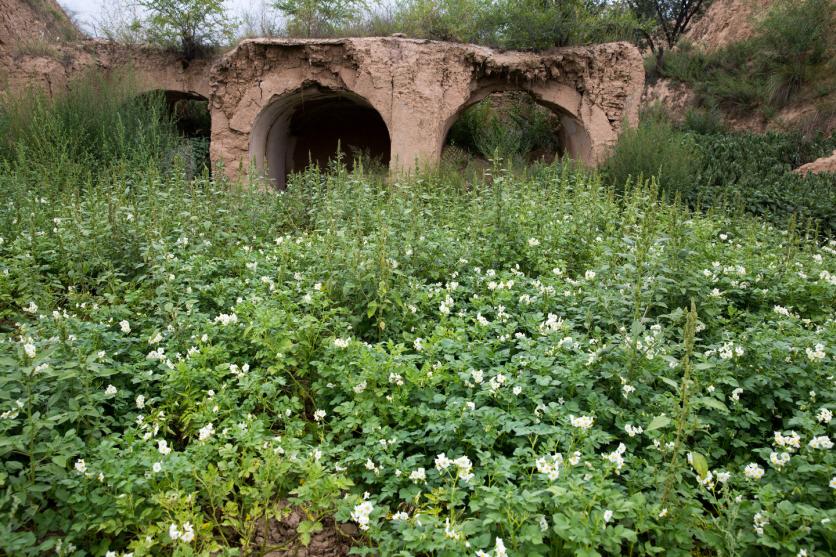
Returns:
point(512, 124)
point(314, 127)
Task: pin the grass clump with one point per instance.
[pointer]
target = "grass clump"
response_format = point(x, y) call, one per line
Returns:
point(99, 124)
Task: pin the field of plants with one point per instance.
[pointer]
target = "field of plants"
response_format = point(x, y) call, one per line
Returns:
point(538, 362)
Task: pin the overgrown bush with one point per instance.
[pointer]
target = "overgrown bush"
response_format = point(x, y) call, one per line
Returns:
point(654, 148)
point(74, 138)
point(510, 125)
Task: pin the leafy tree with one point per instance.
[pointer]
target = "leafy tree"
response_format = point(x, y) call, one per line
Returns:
point(316, 18)
point(191, 26)
point(673, 18)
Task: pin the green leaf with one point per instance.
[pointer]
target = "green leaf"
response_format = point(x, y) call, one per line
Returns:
point(712, 403)
point(700, 464)
point(306, 529)
point(658, 423)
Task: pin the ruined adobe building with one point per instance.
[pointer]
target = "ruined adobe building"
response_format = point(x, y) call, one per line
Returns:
point(277, 104)
point(274, 102)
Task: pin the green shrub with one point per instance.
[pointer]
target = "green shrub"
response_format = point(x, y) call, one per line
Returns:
point(704, 121)
point(654, 148)
point(69, 140)
point(511, 125)
point(708, 167)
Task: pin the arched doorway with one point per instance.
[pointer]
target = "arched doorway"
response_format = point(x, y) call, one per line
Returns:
point(313, 125)
point(189, 113)
point(539, 122)
point(511, 124)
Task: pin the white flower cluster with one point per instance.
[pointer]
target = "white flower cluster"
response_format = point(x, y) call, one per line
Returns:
point(729, 351)
point(753, 471)
point(206, 432)
point(552, 324)
point(781, 310)
point(760, 520)
point(779, 460)
point(226, 319)
point(632, 430)
point(446, 306)
point(821, 442)
point(550, 465)
point(13, 413)
point(498, 550)
point(463, 465)
point(816, 354)
point(824, 415)
point(496, 382)
point(239, 371)
point(617, 457)
point(791, 441)
point(418, 475)
point(581, 422)
point(342, 342)
point(361, 514)
point(185, 536)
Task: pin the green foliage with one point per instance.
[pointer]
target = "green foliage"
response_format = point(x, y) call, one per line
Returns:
point(707, 167)
point(509, 125)
point(76, 137)
point(672, 19)
point(754, 171)
point(539, 364)
point(318, 18)
point(704, 121)
point(796, 45)
point(654, 148)
point(527, 24)
point(189, 26)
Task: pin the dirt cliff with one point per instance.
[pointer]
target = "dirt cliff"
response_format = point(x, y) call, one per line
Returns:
point(23, 22)
point(726, 22)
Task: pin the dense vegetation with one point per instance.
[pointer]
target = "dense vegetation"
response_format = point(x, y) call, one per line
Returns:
point(533, 363)
point(753, 172)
